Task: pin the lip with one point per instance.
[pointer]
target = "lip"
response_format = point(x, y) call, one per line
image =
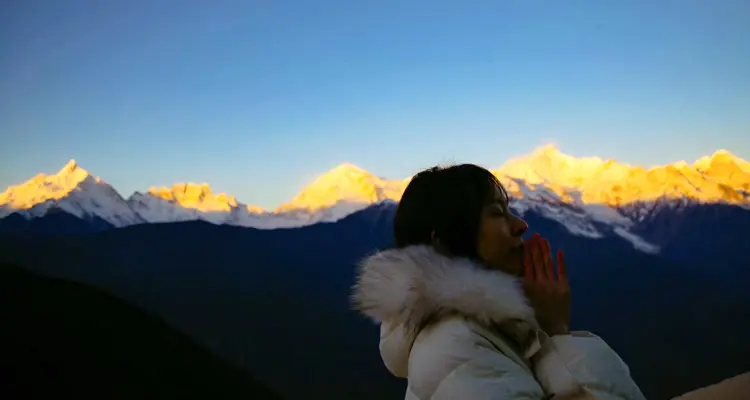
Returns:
point(516, 260)
point(517, 248)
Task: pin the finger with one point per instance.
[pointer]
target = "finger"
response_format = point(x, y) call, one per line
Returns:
point(528, 265)
point(548, 265)
point(562, 270)
point(536, 253)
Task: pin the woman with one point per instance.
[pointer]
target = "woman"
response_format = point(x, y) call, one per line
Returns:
point(468, 310)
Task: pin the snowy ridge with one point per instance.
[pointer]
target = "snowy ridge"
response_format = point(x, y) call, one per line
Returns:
point(581, 219)
point(72, 190)
point(589, 196)
point(721, 177)
point(346, 186)
point(184, 202)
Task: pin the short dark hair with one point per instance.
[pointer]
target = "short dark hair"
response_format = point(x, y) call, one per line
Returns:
point(447, 201)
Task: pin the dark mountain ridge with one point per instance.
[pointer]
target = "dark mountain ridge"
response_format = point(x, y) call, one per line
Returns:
point(276, 301)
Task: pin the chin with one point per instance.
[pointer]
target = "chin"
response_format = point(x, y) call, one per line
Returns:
point(510, 262)
point(513, 269)
point(513, 265)
point(510, 268)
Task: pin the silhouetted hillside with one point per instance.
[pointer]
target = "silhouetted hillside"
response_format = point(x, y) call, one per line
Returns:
point(55, 222)
point(715, 237)
point(67, 340)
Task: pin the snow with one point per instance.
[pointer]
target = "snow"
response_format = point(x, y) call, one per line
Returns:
point(610, 182)
point(156, 210)
point(74, 191)
point(606, 215)
point(344, 189)
point(638, 242)
point(589, 196)
point(575, 221)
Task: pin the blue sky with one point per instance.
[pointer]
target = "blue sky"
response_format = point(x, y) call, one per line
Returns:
point(258, 97)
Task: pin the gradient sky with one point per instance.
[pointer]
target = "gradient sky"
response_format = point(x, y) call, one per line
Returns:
point(258, 97)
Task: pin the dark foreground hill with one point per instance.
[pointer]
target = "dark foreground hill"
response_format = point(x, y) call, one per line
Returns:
point(68, 340)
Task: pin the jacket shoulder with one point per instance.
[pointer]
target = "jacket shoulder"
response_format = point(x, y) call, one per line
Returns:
point(454, 347)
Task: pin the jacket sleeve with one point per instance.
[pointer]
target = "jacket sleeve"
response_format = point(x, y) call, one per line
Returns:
point(581, 365)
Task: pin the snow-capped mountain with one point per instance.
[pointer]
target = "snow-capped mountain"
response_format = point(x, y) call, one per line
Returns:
point(634, 192)
point(342, 191)
point(589, 196)
point(72, 190)
point(621, 196)
point(196, 201)
point(721, 177)
point(185, 202)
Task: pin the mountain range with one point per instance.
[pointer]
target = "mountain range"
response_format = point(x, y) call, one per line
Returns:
point(590, 196)
point(275, 302)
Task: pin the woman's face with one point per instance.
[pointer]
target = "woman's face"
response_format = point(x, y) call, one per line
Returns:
point(499, 240)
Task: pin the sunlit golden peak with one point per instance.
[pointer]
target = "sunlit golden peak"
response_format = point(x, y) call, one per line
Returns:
point(345, 183)
point(71, 189)
point(346, 169)
point(195, 195)
point(549, 149)
point(721, 159)
point(70, 166)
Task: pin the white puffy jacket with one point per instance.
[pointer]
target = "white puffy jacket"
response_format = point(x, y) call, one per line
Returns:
point(458, 331)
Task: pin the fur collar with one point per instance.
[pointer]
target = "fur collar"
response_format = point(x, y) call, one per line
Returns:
point(413, 286)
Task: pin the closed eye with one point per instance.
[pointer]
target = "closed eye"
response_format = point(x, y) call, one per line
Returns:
point(499, 212)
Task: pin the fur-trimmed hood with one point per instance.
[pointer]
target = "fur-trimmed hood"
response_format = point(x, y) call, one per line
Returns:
point(405, 289)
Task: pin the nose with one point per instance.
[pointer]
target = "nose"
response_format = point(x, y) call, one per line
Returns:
point(518, 227)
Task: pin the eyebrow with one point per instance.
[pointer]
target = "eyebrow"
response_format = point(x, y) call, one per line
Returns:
point(502, 202)
point(503, 198)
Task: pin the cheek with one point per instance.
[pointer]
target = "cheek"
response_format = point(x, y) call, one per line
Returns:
point(497, 230)
point(493, 236)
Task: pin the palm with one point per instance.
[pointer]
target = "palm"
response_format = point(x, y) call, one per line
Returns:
point(546, 285)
